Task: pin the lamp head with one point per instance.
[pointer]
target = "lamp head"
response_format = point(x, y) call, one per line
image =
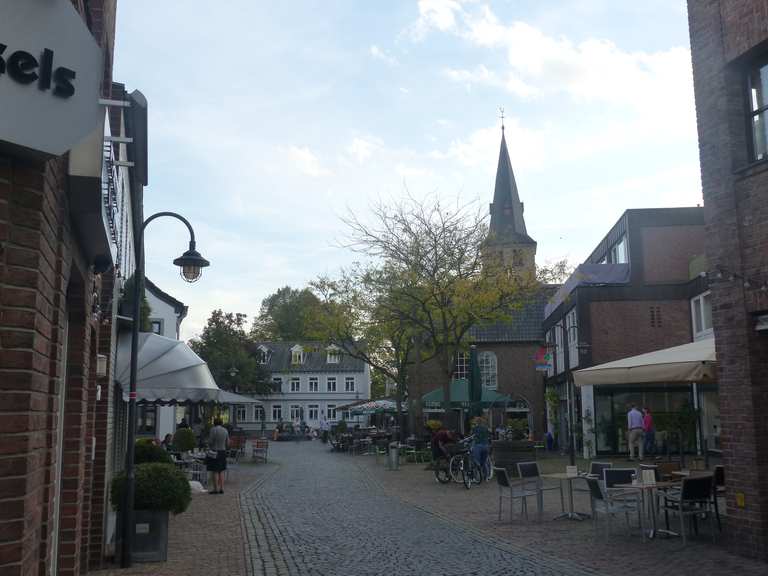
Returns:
point(191, 264)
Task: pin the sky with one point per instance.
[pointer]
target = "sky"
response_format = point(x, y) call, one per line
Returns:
point(269, 121)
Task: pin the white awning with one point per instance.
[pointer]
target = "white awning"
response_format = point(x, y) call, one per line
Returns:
point(694, 362)
point(169, 372)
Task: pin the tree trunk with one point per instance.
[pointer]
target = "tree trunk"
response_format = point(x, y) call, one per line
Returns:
point(449, 419)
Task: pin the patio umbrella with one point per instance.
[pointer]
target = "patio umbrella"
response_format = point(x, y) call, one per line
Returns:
point(169, 371)
point(475, 384)
point(460, 396)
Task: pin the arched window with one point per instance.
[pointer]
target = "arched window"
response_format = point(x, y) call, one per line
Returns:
point(488, 369)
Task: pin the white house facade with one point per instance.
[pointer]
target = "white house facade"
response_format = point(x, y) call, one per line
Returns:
point(311, 382)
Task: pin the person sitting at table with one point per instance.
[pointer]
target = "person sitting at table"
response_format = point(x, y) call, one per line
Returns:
point(167, 443)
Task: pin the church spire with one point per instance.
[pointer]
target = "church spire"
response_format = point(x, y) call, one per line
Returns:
point(507, 221)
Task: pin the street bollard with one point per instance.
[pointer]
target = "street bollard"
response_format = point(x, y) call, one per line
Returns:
point(393, 457)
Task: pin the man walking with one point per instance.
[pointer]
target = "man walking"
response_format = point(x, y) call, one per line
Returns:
point(635, 427)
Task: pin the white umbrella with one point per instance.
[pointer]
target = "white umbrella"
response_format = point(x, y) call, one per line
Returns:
point(169, 371)
point(694, 362)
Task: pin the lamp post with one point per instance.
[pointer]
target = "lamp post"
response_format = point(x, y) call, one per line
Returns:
point(569, 388)
point(191, 265)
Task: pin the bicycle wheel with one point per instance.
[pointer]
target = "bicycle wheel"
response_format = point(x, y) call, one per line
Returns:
point(489, 468)
point(476, 472)
point(442, 474)
point(466, 474)
point(455, 468)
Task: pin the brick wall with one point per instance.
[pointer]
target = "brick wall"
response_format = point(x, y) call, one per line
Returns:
point(623, 328)
point(660, 263)
point(723, 38)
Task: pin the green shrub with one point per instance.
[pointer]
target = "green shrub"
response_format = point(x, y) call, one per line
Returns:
point(148, 451)
point(341, 427)
point(184, 440)
point(158, 487)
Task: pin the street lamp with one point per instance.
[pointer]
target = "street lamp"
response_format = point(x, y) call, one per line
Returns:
point(191, 265)
point(569, 387)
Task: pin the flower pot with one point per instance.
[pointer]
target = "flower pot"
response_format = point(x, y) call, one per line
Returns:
point(150, 535)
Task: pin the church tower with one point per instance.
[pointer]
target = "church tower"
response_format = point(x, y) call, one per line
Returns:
point(508, 241)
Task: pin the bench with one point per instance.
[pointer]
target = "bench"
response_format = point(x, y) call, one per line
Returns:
point(260, 449)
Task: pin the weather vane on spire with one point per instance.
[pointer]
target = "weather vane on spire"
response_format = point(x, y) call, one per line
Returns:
point(501, 115)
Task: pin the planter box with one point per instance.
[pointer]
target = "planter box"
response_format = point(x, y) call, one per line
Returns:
point(150, 535)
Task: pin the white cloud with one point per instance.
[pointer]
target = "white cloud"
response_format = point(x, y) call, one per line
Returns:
point(361, 149)
point(435, 14)
point(382, 55)
point(306, 162)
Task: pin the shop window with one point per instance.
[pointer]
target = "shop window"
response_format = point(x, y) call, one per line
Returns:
point(758, 106)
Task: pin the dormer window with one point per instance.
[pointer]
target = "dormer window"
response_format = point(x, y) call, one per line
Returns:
point(334, 355)
point(297, 355)
point(263, 354)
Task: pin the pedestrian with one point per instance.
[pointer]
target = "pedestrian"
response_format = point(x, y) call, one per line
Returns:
point(635, 428)
point(649, 432)
point(218, 440)
point(480, 448)
point(167, 443)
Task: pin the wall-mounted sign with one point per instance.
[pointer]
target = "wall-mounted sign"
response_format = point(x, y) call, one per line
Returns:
point(50, 75)
point(543, 359)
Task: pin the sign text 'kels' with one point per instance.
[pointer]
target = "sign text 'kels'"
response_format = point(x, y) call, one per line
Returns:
point(24, 68)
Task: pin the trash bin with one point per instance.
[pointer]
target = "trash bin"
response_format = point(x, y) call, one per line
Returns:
point(393, 457)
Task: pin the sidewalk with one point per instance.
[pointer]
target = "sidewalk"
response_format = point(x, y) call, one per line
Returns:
point(207, 539)
point(576, 542)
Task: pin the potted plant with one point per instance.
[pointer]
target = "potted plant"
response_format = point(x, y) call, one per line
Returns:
point(147, 451)
point(159, 489)
point(184, 440)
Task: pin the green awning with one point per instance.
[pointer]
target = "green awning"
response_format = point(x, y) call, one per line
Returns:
point(460, 396)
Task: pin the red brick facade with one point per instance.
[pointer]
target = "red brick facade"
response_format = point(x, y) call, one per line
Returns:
point(46, 313)
point(662, 264)
point(726, 37)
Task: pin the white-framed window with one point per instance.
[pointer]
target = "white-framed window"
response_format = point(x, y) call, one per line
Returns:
point(295, 385)
point(571, 327)
point(461, 368)
point(345, 414)
point(297, 355)
point(263, 354)
point(618, 252)
point(313, 384)
point(295, 412)
point(488, 369)
point(277, 385)
point(559, 357)
point(240, 412)
point(701, 316)
point(277, 412)
point(258, 413)
point(157, 326)
point(349, 384)
point(333, 356)
point(330, 384)
point(312, 411)
point(331, 410)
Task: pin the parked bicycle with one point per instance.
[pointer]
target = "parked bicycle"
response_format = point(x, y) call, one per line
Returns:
point(463, 468)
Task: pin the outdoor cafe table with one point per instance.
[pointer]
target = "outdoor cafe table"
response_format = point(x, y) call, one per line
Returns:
point(691, 473)
point(571, 514)
point(647, 504)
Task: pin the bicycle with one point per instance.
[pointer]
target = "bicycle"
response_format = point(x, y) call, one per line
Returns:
point(463, 467)
point(442, 471)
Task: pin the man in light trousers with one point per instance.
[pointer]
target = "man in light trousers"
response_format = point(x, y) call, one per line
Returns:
point(635, 427)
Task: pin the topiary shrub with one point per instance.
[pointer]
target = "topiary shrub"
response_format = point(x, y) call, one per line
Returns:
point(184, 440)
point(158, 487)
point(148, 451)
point(341, 427)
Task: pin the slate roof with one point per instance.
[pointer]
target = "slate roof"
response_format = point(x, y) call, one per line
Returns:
point(526, 324)
point(315, 356)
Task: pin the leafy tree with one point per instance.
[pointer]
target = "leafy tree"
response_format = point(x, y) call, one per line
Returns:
point(286, 315)
point(224, 345)
point(429, 276)
point(555, 273)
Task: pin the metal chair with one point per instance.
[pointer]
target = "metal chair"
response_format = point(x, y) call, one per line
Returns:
point(596, 471)
point(694, 500)
point(530, 477)
point(718, 489)
point(512, 491)
point(602, 503)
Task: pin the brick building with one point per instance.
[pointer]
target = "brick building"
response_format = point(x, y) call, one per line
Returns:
point(634, 294)
point(66, 246)
point(729, 43)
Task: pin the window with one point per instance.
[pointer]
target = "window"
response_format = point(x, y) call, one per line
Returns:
point(349, 384)
point(571, 326)
point(331, 409)
point(295, 385)
point(758, 100)
point(295, 412)
point(240, 413)
point(549, 339)
point(330, 384)
point(345, 414)
point(157, 326)
point(297, 355)
point(559, 352)
point(334, 356)
point(277, 385)
point(262, 355)
point(258, 413)
point(618, 252)
point(701, 316)
point(461, 369)
point(488, 376)
point(655, 316)
point(277, 413)
point(313, 387)
point(312, 409)
point(146, 418)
